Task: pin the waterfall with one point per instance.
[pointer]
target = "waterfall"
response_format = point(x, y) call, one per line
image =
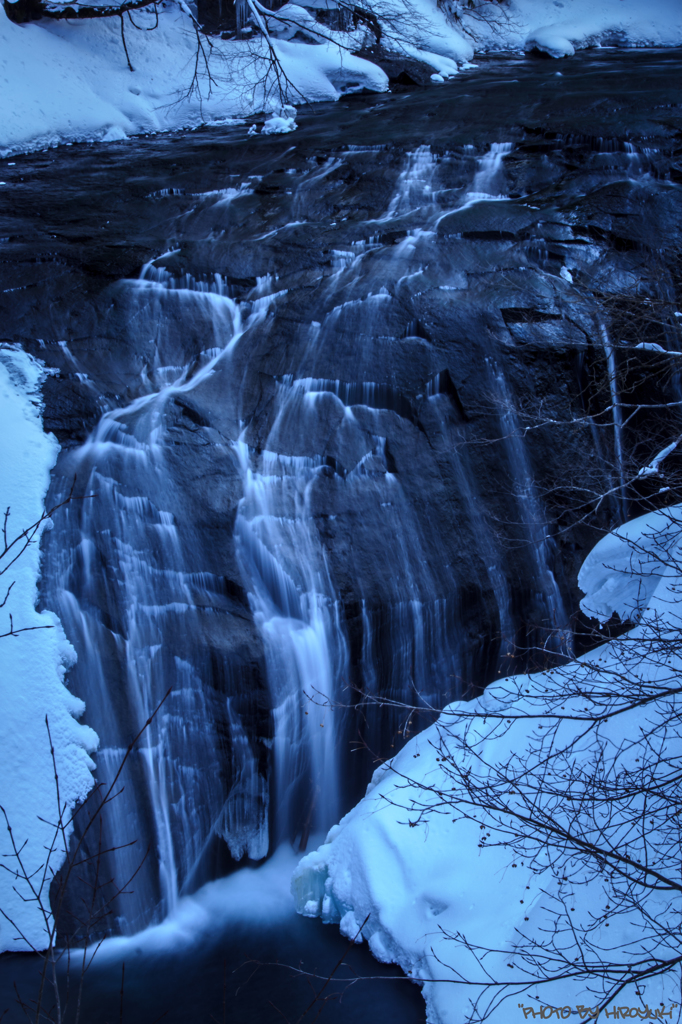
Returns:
point(555, 627)
point(415, 185)
point(489, 178)
point(296, 609)
point(290, 528)
point(130, 594)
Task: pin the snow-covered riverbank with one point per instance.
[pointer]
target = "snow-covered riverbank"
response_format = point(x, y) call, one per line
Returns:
point(69, 81)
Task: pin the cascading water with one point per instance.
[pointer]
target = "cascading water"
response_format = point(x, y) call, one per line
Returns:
point(616, 412)
point(296, 609)
point(127, 593)
point(554, 626)
point(350, 425)
point(292, 530)
point(282, 549)
point(415, 185)
point(489, 178)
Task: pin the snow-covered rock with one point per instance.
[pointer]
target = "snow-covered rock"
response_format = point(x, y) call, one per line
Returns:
point(290, 19)
point(425, 31)
point(281, 121)
point(114, 134)
point(549, 39)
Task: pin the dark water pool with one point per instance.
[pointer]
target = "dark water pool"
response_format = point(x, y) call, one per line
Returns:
point(235, 951)
point(244, 976)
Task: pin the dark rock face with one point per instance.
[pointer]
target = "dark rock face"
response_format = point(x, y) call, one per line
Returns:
point(346, 411)
point(216, 16)
point(403, 72)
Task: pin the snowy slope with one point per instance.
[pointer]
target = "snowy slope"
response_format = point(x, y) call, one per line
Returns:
point(423, 885)
point(32, 664)
point(66, 82)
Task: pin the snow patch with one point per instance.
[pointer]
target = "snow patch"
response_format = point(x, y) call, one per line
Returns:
point(280, 123)
point(114, 134)
point(32, 664)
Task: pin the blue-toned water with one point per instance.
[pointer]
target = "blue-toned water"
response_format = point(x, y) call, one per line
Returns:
point(345, 404)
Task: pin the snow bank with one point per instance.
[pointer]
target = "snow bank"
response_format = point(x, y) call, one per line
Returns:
point(626, 569)
point(423, 30)
point(68, 82)
point(561, 27)
point(32, 664)
point(448, 34)
point(425, 878)
point(323, 72)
